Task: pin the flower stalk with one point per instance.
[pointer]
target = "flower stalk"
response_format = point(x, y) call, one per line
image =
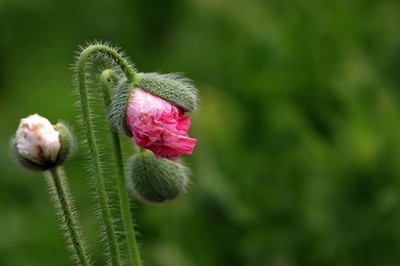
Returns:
point(107, 78)
point(65, 210)
point(40, 146)
point(98, 175)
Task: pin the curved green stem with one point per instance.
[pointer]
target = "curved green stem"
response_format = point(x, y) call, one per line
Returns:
point(64, 205)
point(98, 173)
point(87, 116)
point(126, 67)
point(107, 77)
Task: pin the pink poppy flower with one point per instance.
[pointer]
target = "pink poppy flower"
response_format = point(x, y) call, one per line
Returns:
point(158, 125)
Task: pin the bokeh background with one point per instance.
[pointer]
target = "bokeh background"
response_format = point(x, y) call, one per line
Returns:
point(297, 161)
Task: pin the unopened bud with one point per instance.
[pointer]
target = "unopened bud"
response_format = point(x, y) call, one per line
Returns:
point(156, 180)
point(38, 145)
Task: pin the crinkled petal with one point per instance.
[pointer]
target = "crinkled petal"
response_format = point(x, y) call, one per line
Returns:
point(158, 125)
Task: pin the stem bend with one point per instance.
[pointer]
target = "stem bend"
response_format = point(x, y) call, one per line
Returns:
point(96, 159)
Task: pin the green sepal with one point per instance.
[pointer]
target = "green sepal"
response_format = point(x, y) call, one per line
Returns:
point(170, 87)
point(118, 108)
point(24, 162)
point(156, 180)
point(68, 143)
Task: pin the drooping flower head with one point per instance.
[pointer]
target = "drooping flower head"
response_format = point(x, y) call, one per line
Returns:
point(158, 125)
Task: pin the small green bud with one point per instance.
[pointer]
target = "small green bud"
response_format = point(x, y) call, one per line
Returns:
point(39, 146)
point(156, 180)
point(170, 87)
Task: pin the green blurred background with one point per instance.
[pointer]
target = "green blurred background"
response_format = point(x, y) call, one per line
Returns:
point(297, 161)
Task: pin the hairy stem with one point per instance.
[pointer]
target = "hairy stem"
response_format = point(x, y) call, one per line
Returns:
point(87, 115)
point(65, 209)
point(111, 241)
point(126, 67)
point(108, 76)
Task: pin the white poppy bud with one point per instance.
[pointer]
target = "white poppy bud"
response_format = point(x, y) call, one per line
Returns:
point(37, 140)
point(39, 145)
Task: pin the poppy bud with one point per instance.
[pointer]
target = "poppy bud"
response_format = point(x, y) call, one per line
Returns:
point(38, 145)
point(156, 180)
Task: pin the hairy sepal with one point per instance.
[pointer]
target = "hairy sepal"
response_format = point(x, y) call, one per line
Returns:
point(156, 180)
point(118, 108)
point(170, 87)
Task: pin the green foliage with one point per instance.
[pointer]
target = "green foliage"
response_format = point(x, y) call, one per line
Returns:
point(298, 135)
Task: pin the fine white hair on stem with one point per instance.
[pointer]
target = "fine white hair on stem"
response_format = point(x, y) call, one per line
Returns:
point(103, 162)
point(67, 216)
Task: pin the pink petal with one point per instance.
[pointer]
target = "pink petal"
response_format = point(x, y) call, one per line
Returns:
point(158, 125)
